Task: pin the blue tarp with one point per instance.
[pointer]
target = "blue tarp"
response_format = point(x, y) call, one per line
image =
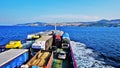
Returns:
point(17, 62)
point(65, 35)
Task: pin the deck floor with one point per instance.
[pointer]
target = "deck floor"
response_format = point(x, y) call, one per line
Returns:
point(61, 63)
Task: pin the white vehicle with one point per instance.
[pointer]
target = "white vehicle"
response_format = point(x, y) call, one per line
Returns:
point(62, 55)
point(65, 43)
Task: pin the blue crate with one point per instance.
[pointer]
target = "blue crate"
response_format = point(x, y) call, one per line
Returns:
point(35, 67)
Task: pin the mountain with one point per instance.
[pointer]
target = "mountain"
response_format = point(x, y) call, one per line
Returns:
point(109, 21)
point(100, 23)
point(32, 24)
point(115, 21)
point(103, 21)
point(106, 23)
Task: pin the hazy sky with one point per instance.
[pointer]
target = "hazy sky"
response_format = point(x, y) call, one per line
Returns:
point(24, 11)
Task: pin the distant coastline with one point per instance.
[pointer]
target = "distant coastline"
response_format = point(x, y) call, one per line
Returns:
point(100, 23)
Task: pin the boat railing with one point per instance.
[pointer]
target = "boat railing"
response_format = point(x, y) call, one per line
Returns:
point(73, 58)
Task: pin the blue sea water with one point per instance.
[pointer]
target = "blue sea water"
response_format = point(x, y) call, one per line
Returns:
point(8, 33)
point(103, 40)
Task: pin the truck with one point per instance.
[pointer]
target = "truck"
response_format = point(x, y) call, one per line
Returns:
point(58, 41)
point(43, 43)
point(42, 59)
point(65, 40)
point(13, 58)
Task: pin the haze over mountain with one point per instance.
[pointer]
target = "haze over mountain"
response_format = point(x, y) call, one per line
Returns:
point(100, 23)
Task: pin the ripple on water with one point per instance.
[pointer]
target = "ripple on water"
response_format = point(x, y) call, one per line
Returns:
point(87, 58)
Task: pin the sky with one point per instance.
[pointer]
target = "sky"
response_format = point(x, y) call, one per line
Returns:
point(50, 11)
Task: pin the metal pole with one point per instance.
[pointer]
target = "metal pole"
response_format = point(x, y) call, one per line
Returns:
point(55, 27)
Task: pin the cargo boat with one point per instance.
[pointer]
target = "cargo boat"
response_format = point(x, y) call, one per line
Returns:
point(56, 43)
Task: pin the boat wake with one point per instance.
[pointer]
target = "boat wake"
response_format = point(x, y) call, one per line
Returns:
point(87, 57)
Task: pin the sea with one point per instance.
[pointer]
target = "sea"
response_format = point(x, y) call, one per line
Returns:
point(93, 47)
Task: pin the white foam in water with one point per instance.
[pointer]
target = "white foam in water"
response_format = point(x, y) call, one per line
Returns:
point(85, 57)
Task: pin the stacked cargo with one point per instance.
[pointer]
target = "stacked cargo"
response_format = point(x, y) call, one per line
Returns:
point(39, 46)
point(41, 59)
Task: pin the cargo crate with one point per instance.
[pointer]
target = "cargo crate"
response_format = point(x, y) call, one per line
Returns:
point(42, 59)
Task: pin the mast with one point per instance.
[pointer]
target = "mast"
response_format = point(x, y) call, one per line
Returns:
point(55, 26)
